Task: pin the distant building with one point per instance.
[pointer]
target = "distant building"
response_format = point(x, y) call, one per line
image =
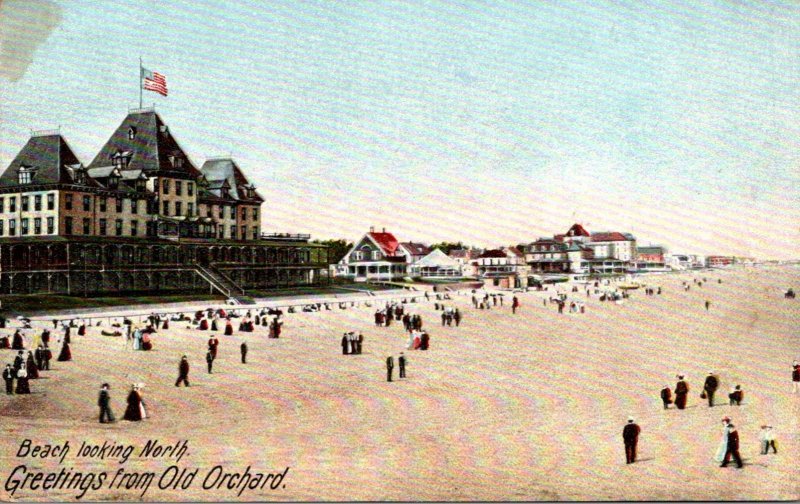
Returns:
point(377, 256)
point(650, 258)
point(503, 267)
point(413, 251)
point(436, 265)
point(716, 261)
point(578, 252)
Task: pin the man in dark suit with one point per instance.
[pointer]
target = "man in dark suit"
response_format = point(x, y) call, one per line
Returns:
point(8, 376)
point(630, 434)
point(18, 362)
point(103, 401)
point(244, 352)
point(709, 387)
point(389, 367)
point(401, 361)
point(733, 448)
point(183, 372)
point(209, 360)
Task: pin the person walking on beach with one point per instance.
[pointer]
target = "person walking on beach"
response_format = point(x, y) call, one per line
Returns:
point(736, 396)
point(681, 392)
point(104, 399)
point(133, 413)
point(244, 352)
point(767, 439)
point(666, 396)
point(209, 360)
point(514, 304)
point(401, 361)
point(708, 303)
point(795, 377)
point(709, 387)
point(8, 377)
point(183, 372)
point(389, 368)
point(723, 445)
point(732, 449)
point(630, 435)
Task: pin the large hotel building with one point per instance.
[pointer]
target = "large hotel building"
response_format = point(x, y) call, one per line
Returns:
point(141, 217)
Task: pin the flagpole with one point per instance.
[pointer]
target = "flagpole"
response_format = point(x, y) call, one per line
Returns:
point(140, 82)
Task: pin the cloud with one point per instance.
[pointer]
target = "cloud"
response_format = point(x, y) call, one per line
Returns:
point(24, 25)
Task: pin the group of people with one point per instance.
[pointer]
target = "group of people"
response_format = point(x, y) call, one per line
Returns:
point(450, 315)
point(710, 387)
point(352, 344)
point(26, 366)
point(401, 362)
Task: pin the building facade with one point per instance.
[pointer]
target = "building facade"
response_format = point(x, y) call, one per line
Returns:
point(140, 209)
point(377, 256)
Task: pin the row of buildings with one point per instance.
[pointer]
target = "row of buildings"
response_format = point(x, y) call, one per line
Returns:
point(577, 253)
point(141, 216)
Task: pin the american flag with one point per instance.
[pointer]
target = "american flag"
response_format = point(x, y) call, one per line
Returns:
point(154, 81)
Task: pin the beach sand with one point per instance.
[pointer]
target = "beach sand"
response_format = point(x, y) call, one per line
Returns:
point(506, 407)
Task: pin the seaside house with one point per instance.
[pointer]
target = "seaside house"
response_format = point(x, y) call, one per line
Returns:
point(436, 264)
point(377, 256)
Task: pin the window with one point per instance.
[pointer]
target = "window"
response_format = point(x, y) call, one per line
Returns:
point(87, 203)
point(119, 227)
point(244, 213)
point(51, 202)
point(2, 231)
point(87, 226)
point(221, 212)
point(134, 206)
point(233, 232)
point(103, 225)
point(12, 227)
point(113, 182)
point(141, 185)
point(178, 208)
point(24, 223)
point(255, 232)
point(190, 209)
point(25, 175)
point(80, 177)
point(119, 205)
point(255, 213)
point(50, 225)
point(2, 205)
point(231, 212)
point(178, 188)
point(190, 188)
point(134, 228)
point(243, 236)
point(376, 255)
point(131, 133)
point(358, 255)
point(208, 210)
point(165, 206)
point(103, 204)
point(68, 201)
point(166, 186)
point(37, 226)
point(24, 204)
point(37, 203)
point(68, 226)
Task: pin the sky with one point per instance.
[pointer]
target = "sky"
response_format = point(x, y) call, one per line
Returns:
point(490, 123)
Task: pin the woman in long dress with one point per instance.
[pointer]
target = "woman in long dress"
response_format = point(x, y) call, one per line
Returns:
point(22, 381)
point(142, 409)
point(133, 413)
point(32, 368)
point(66, 354)
point(137, 339)
point(723, 446)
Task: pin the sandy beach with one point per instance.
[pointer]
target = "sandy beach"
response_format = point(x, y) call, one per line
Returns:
point(506, 407)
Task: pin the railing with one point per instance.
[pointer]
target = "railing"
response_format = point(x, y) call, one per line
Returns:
point(50, 132)
point(226, 278)
point(286, 236)
point(215, 282)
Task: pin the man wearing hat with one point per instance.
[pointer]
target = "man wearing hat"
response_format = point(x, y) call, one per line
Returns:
point(183, 370)
point(8, 376)
point(402, 362)
point(709, 387)
point(103, 401)
point(681, 392)
point(630, 434)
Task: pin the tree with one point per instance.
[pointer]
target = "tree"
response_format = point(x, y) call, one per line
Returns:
point(446, 247)
point(336, 248)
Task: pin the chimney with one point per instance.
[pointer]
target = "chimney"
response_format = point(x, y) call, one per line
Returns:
point(372, 229)
point(384, 230)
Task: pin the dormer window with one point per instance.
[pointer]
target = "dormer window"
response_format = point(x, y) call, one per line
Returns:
point(113, 181)
point(80, 177)
point(140, 184)
point(120, 160)
point(25, 174)
point(131, 133)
